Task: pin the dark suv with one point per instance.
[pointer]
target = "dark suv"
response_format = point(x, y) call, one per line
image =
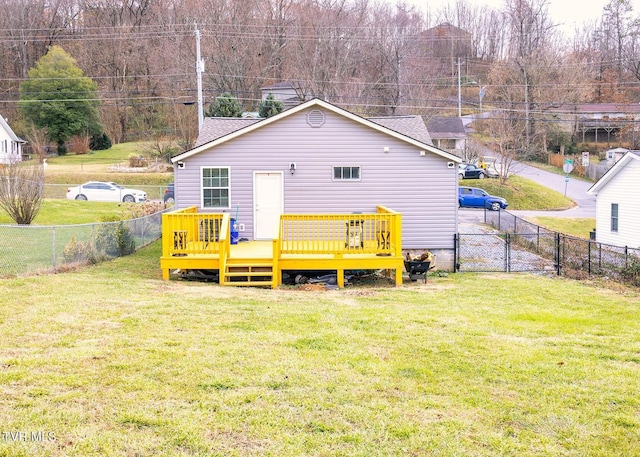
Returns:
point(168, 194)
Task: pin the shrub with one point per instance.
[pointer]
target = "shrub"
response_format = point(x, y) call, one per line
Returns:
point(100, 142)
point(113, 238)
point(137, 161)
point(78, 251)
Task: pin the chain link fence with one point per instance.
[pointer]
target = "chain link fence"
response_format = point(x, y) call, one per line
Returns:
point(27, 249)
point(519, 245)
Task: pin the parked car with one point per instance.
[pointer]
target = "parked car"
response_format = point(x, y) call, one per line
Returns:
point(168, 194)
point(105, 192)
point(472, 197)
point(474, 172)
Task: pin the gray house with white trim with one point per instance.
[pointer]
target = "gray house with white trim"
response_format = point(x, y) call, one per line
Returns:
point(319, 158)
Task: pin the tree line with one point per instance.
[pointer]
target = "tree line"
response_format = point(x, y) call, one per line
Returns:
point(367, 56)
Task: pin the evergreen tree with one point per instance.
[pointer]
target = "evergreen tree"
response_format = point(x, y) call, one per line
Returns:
point(270, 107)
point(226, 105)
point(57, 97)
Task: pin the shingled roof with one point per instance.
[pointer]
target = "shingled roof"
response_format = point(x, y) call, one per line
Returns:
point(450, 128)
point(411, 126)
point(217, 127)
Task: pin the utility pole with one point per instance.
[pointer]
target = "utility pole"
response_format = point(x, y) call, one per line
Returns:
point(199, 71)
point(459, 91)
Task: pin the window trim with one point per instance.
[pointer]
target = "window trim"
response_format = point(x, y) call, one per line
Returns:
point(202, 187)
point(342, 167)
point(615, 217)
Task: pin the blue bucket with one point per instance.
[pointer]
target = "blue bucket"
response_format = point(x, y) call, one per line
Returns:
point(234, 232)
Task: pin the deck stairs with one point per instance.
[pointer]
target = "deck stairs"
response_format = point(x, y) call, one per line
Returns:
point(253, 272)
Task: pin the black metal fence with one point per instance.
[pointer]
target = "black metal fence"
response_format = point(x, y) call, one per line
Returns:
point(519, 245)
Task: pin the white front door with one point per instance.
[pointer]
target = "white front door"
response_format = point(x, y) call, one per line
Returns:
point(268, 197)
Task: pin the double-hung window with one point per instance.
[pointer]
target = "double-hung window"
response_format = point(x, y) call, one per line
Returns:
point(346, 173)
point(614, 217)
point(215, 187)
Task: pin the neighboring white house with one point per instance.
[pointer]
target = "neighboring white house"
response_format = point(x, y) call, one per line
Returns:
point(618, 203)
point(10, 144)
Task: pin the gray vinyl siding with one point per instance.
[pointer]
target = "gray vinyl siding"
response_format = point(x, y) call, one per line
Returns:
point(422, 188)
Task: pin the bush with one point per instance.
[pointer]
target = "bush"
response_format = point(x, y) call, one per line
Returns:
point(113, 238)
point(78, 251)
point(100, 142)
point(137, 161)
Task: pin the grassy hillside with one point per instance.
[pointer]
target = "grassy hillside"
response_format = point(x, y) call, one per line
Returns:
point(100, 165)
point(113, 361)
point(522, 193)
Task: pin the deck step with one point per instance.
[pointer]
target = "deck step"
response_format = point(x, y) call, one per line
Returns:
point(248, 273)
point(248, 283)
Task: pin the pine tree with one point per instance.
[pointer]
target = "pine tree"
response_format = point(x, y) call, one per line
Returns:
point(270, 107)
point(226, 105)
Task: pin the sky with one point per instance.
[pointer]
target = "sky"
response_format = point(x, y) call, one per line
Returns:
point(568, 13)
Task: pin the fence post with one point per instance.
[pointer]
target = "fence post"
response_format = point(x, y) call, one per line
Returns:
point(507, 252)
point(626, 256)
point(558, 253)
point(456, 265)
point(53, 248)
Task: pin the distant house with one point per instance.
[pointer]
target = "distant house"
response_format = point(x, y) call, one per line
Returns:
point(615, 154)
point(290, 93)
point(10, 144)
point(598, 122)
point(618, 203)
point(319, 158)
point(448, 133)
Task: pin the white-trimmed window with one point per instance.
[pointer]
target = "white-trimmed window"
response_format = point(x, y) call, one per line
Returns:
point(614, 217)
point(346, 173)
point(216, 187)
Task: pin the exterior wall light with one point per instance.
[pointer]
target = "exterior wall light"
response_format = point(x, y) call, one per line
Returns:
point(292, 167)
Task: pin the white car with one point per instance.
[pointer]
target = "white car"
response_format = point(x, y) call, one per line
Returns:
point(105, 192)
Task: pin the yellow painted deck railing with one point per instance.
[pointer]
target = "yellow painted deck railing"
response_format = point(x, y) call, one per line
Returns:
point(189, 232)
point(340, 234)
point(192, 240)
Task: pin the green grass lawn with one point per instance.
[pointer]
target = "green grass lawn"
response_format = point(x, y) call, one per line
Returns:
point(96, 166)
point(578, 227)
point(112, 361)
point(70, 212)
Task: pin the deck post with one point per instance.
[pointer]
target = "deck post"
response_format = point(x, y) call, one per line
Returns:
point(340, 277)
point(276, 278)
point(398, 277)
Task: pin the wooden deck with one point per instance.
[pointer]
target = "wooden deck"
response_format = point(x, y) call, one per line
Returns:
point(331, 242)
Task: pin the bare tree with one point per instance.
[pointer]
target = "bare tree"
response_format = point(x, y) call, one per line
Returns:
point(507, 135)
point(21, 190)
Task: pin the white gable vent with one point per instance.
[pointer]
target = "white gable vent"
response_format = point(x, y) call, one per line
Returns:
point(315, 118)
